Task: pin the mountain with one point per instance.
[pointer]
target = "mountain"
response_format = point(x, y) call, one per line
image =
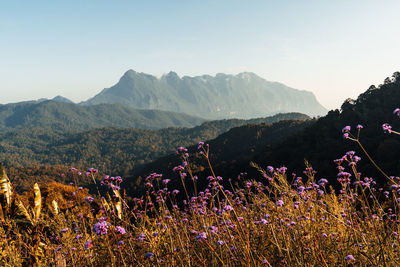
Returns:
point(74, 118)
point(319, 141)
point(113, 150)
point(62, 99)
point(245, 95)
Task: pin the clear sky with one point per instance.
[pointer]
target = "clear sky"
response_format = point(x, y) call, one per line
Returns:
point(335, 49)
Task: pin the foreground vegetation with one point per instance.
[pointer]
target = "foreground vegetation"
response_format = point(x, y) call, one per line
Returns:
point(275, 222)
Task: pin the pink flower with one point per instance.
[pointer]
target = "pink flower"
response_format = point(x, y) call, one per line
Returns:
point(349, 258)
point(386, 128)
point(120, 230)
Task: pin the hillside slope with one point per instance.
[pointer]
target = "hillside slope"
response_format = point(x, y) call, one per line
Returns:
point(227, 152)
point(74, 118)
point(113, 150)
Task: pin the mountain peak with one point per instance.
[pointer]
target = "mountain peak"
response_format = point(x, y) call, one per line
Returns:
point(129, 72)
point(247, 75)
point(172, 74)
point(172, 78)
point(62, 99)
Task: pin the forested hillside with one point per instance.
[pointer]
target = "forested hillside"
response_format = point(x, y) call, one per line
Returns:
point(227, 153)
point(113, 150)
point(69, 117)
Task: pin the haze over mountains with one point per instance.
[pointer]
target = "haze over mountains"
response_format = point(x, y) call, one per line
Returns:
point(244, 95)
point(143, 101)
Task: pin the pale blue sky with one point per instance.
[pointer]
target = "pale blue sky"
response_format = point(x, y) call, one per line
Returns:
point(335, 49)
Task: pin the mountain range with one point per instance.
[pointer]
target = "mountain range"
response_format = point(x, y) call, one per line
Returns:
point(143, 101)
point(244, 95)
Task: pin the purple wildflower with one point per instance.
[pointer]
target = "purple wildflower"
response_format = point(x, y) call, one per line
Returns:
point(120, 230)
point(76, 238)
point(386, 128)
point(349, 258)
point(101, 228)
point(149, 255)
point(282, 170)
point(88, 244)
point(322, 182)
point(228, 208)
point(300, 189)
point(89, 199)
point(263, 221)
point(200, 145)
point(346, 129)
point(141, 237)
point(201, 236)
point(270, 169)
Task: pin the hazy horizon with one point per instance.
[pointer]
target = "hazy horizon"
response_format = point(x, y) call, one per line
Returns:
point(76, 49)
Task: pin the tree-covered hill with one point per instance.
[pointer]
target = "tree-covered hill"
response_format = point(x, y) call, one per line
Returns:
point(71, 117)
point(113, 150)
point(323, 141)
point(227, 152)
